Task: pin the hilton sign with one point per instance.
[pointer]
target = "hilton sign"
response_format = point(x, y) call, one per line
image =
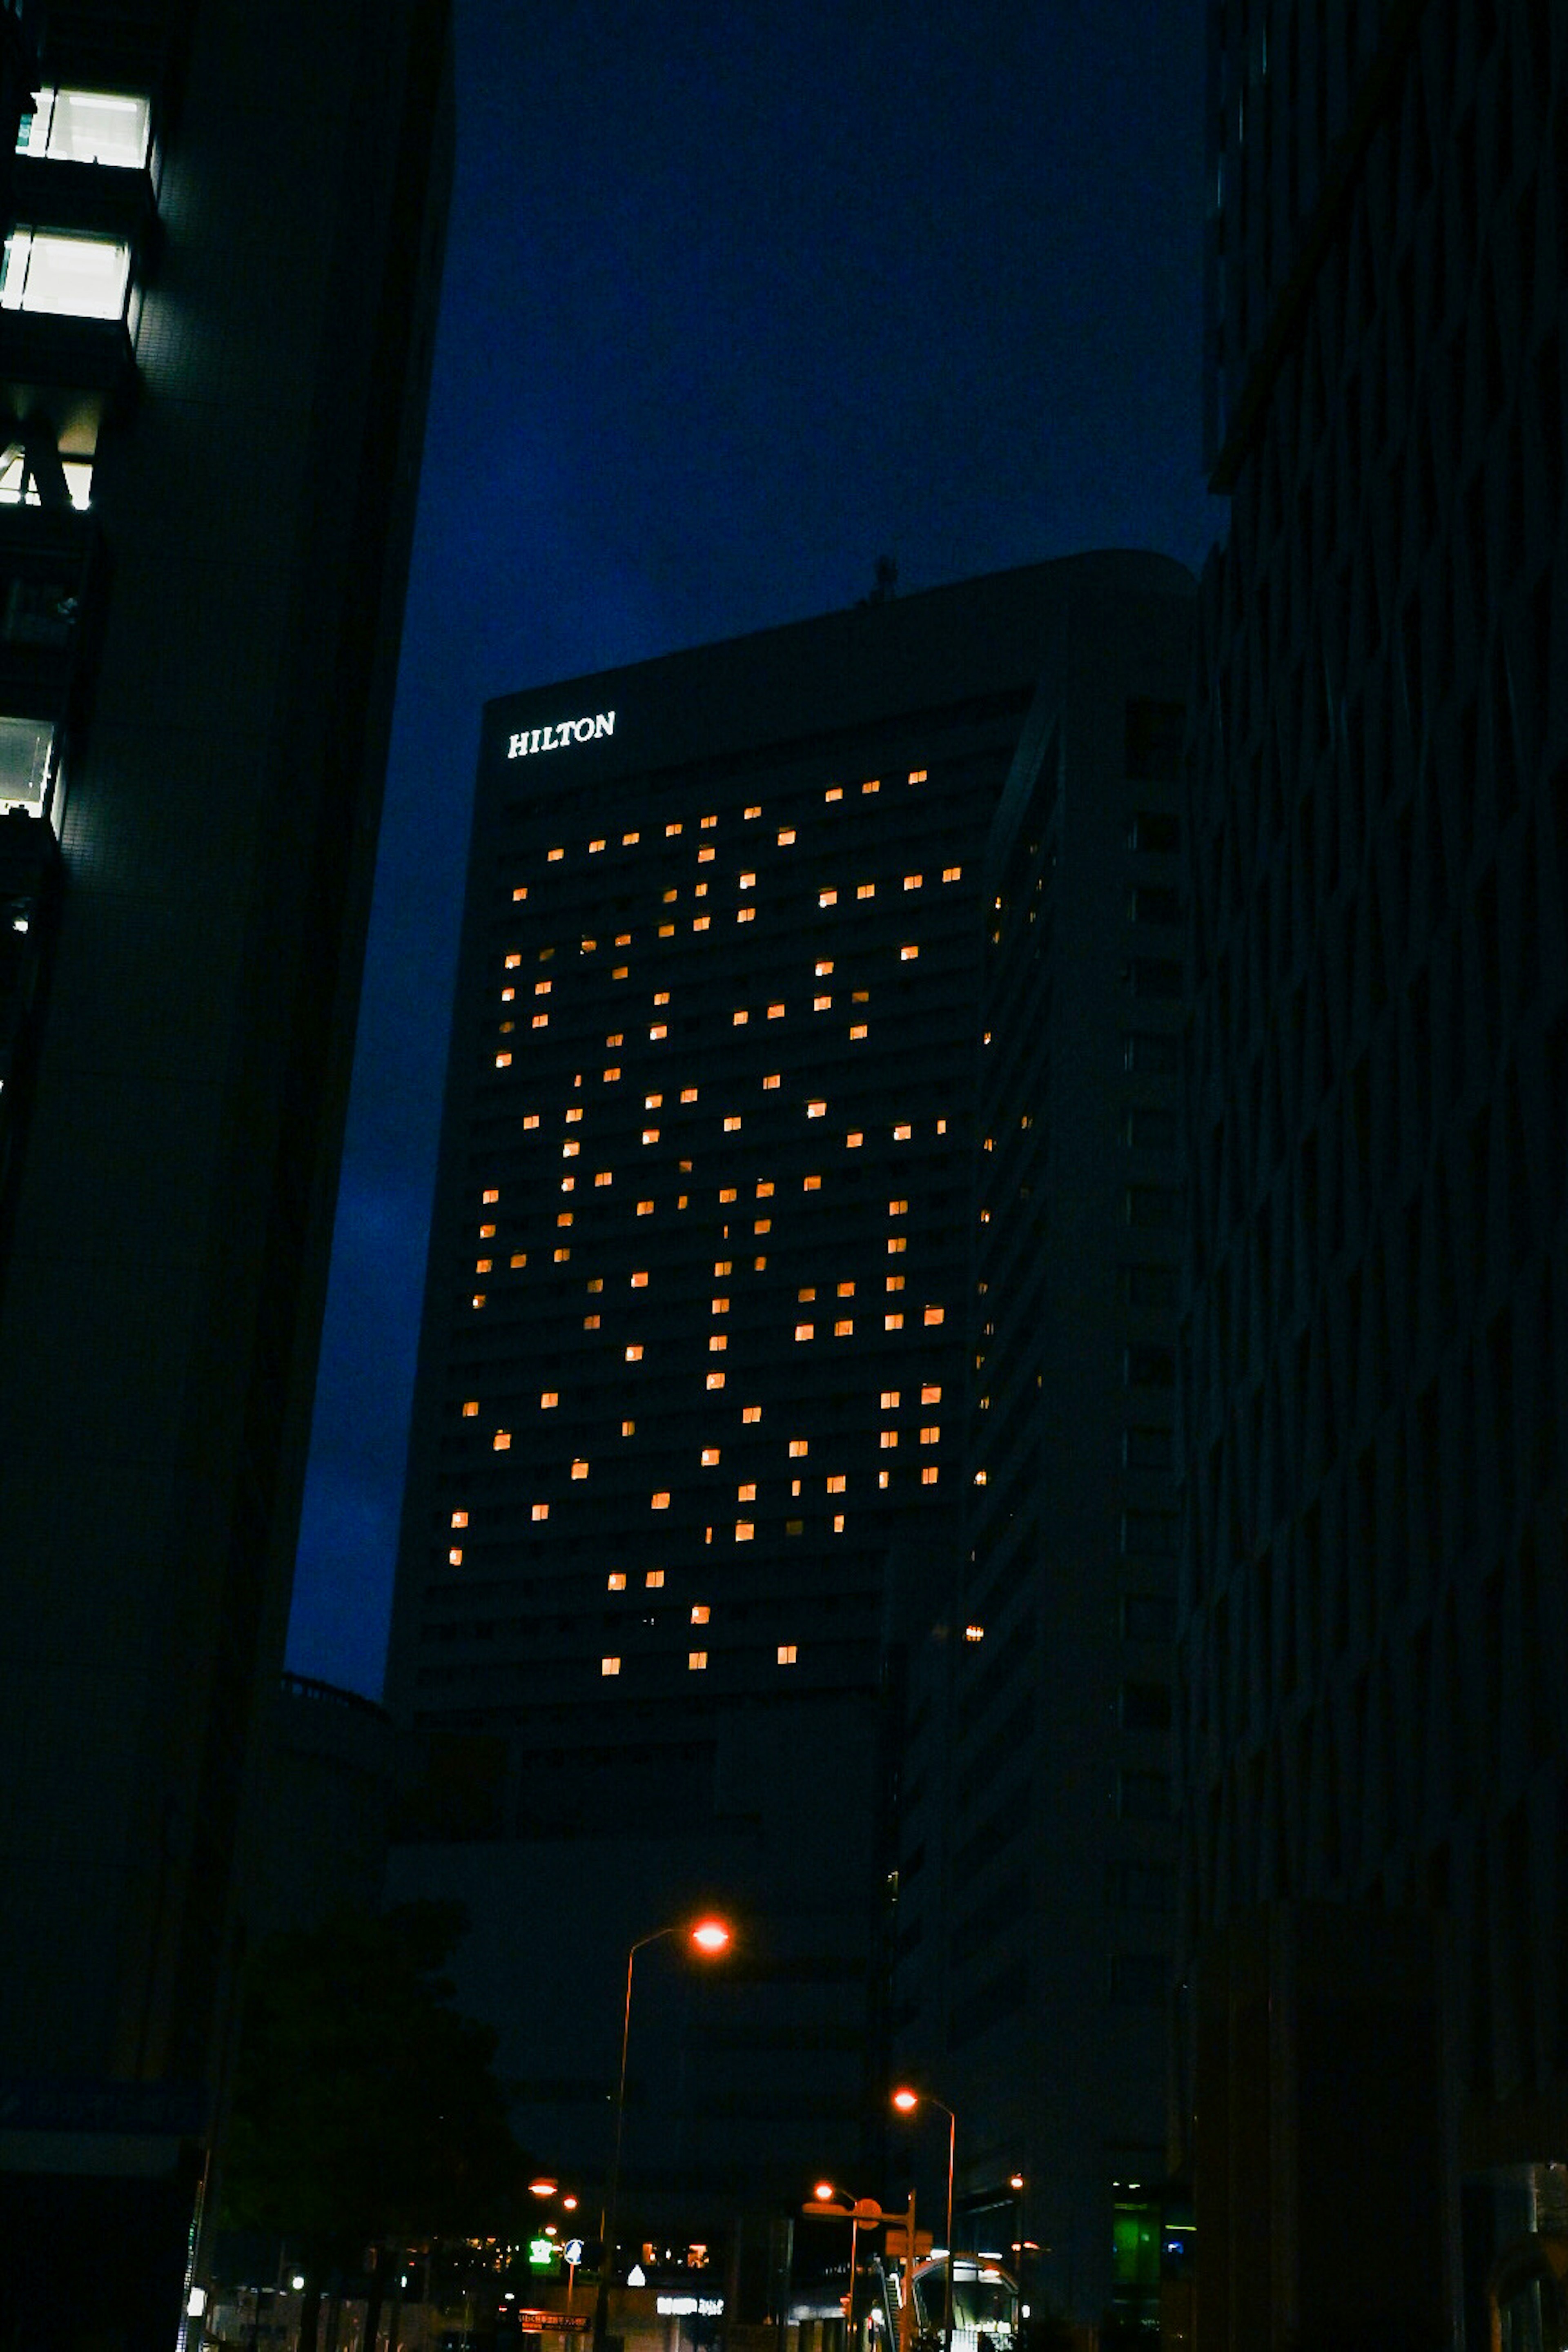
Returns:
point(564, 731)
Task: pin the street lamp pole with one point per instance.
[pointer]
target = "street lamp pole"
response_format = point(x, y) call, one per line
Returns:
point(907, 2102)
point(710, 1936)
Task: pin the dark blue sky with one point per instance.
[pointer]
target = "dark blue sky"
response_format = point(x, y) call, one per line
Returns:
point(737, 299)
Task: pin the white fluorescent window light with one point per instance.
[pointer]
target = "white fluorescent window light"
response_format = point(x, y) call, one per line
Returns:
point(87, 126)
point(66, 277)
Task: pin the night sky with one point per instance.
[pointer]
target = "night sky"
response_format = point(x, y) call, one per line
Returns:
point(737, 300)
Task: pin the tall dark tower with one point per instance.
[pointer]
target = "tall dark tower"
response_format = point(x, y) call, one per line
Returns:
point(1373, 1749)
point(215, 319)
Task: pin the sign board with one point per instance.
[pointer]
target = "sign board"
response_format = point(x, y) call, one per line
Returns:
point(552, 2323)
point(898, 2243)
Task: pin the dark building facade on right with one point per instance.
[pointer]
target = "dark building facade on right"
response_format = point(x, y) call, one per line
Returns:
point(1373, 1740)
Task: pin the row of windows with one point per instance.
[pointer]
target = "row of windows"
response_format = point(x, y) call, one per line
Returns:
point(786, 1654)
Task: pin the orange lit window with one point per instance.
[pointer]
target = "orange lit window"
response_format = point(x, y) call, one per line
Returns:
point(786, 835)
point(594, 846)
point(744, 1530)
point(740, 1020)
point(719, 1307)
point(811, 1183)
point(951, 873)
point(701, 923)
point(521, 893)
point(913, 881)
point(786, 1654)
point(570, 1150)
point(874, 785)
point(591, 1322)
point(716, 1343)
point(746, 915)
point(502, 1441)
point(700, 1613)
point(706, 856)
point(893, 1282)
point(620, 971)
point(917, 775)
point(508, 996)
point(907, 952)
point(898, 1208)
point(610, 1665)
point(639, 1279)
point(890, 1439)
point(654, 1579)
point(617, 1580)
point(903, 1134)
point(650, 1135)
point(459, 1519)
point(709, 1456)
point(670, 830)
point(866, 890)
point(565, 1216)
point(697, 1661)
point(853, 1139)
point(579, 1468)
point(605, 1176)
point(529, 1118)
point(834, 793)
point(827, 898)
point(751, 1412)
point(762, 1225)
point(471, 1409)
point(844, 1330)
point(550, 1397)
point(478, 1299)
point(512, 962)
point(931, 1435)
point(630, 840)
point(544, 987)
point(822, 1004)
point(930, 1395)
point(935, 1314)
point(715, 1380)
point(563, 1254)
point(835, 1486)
point(745, 1494)
point(707, 821)
point(658, 1032)
point(629, 1429)
point(859, 1030)
point(518, 1257)
point(491, 1196)
point(732, 1123)
point(689, 1094)
point(897, 1245)
point(660, 1501)
point(503, 1061)
point(634, 1353)
point(754, 812)
point(930, 1474)
point(541, 1510)
point(670, 896)
point(892, 1322)
point(666, 930)
point(805, 1330)
point(748, 881)
point(726, 1193)
point(815, 1109)
point(645, 1208)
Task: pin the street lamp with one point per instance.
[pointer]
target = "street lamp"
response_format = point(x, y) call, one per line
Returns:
point(825, 2194)
point(710, 1936)
point(906, 2101)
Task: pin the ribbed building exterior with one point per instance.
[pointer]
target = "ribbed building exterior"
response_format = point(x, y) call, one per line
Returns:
point(216, 316)
point(1037, 1868)
point(1373, 1752)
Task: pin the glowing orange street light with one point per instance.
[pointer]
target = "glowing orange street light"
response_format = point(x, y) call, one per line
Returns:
point(906, 2101)
point(710, 1937)
point(541, 2188)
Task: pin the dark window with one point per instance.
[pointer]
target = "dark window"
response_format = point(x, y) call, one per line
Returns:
point(1139, 1976)
point(1155, 829)
point(1150, 1531)
point(1152, 1288)
point(1143, 1796)
point(1147, 906)
point(1140, 1886)
point(1152, 1130)
point(1152, 1053)
point(1144, 1707)
point(1151, 1367)
point(1148, 1617)
point(1154, 1208)
point(1154, 732)
point(1146, 1447)
point(1158, 978)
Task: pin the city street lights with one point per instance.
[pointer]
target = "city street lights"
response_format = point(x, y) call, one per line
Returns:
point(906, 2101)
point(825, 2194)
point(710, 1936)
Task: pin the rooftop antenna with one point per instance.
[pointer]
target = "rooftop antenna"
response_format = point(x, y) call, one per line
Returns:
point(885, 586)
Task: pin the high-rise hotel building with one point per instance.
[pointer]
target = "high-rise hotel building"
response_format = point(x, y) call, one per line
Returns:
point(688, 1473)
point(217, 307)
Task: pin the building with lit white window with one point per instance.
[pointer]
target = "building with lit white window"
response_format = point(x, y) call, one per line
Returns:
point(217, 301)
point(687, 1474)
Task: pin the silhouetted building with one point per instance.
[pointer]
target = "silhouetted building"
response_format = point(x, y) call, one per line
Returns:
point(687, 1485)
point(1037, 1889)
point(215, 315)
point(1374, 1764)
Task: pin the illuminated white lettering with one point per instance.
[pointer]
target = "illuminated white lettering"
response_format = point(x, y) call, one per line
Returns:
point(562, 731)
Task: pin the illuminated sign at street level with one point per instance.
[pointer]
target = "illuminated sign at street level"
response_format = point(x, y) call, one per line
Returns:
point(564, 731)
